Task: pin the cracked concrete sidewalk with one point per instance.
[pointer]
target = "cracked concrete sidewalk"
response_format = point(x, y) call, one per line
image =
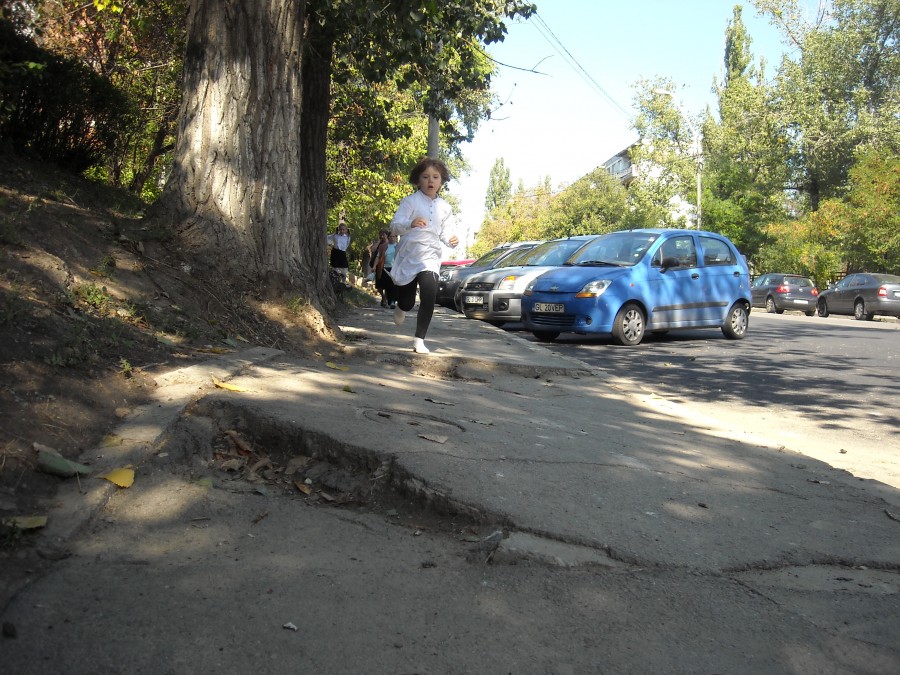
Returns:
point(565, 464)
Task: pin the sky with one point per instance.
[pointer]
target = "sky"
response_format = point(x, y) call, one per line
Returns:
point(576, 114)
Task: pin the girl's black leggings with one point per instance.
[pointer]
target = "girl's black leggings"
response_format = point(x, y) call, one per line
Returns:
point(427, 283)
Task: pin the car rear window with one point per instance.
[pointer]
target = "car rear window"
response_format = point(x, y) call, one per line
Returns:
point(798, 281)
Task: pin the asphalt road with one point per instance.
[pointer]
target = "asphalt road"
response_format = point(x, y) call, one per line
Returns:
point(834, 371)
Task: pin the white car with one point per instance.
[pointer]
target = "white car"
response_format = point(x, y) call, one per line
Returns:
point(495, 295)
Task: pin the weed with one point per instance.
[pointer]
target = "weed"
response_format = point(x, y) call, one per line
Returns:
point(105, 267)
point(298, 304)
point(12, 308)
point(125, 368)
point(91, 294)
point(78, 351)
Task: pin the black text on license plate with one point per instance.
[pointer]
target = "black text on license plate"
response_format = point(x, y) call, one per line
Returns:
point(474, 300)
point(551, 307)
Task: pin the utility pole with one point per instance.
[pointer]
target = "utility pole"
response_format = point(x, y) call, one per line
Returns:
point(433, 137)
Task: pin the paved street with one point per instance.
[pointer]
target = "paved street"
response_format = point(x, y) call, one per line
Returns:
point(493, 507)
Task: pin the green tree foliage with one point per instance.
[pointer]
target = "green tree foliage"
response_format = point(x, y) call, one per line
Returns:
point(840, 93)
point(744, 151)
point(137, 46)
point(594, 204)
point(499, 186)
point(860, 232)
point(665, 158)
point(54, 107)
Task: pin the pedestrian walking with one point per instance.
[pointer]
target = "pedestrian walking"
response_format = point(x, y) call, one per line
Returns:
point(340, 244)
point(423, 221)
point(382, 264)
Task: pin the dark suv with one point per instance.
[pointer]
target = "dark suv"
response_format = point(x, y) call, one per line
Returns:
point(450, 278)
point(778, 292)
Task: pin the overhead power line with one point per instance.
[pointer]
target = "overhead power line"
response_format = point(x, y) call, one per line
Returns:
point(548, 34)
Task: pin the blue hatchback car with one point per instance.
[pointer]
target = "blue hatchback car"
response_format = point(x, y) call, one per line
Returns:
point(633, 281)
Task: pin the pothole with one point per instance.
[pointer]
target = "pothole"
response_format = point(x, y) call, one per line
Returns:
point(242, 450)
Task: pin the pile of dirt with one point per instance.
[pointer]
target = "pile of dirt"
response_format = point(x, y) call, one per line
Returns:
point(93, 305)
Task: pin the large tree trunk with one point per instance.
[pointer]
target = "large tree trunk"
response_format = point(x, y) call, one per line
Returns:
point(316, 73)
point(234, 195)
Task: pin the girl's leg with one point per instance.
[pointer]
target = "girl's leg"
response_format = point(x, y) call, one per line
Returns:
point(406, 295)
point(428, 288)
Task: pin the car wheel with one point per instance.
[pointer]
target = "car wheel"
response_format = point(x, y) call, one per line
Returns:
point(822, 309)
point(811, 312)
point(545, 335)
point(770, 305)
point(859, 311)
point(629, 324)
point(737, 322)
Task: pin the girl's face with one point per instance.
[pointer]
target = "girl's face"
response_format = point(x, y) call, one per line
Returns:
point(430, 182)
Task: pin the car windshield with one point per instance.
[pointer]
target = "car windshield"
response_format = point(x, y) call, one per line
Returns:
point(488, 258)
point(551, 253)
point(617, 249)
point(515, 257)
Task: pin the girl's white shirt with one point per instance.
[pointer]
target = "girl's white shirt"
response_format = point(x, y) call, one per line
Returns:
point(420, 248)
point(339, 241)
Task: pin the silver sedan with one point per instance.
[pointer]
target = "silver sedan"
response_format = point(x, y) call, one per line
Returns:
point(495, 295)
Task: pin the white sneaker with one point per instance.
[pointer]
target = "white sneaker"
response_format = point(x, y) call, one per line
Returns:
point(419, 346)
point(399, 315)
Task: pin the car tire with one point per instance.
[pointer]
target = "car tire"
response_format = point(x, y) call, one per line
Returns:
point(811, 312)
point(545, 335)
point(859, 311)
point(822, 309)
point(629, 325)
point(770, 306)
point(737, 322)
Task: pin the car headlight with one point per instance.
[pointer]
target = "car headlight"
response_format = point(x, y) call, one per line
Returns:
point(445, 276)
point(594, 289)
point(507, 283)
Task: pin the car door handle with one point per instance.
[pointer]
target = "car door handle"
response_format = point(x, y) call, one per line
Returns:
point(695, 275)
point(737, 274)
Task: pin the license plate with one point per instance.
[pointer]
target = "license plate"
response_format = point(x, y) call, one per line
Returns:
point(801, 302)
point(551, 307)
point(473, 300)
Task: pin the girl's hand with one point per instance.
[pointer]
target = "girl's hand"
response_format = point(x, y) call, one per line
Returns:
point(454, 240)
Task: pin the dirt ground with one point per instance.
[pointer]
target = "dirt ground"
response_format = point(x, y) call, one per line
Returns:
point(93, 304)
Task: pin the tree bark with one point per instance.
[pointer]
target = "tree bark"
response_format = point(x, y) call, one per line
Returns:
point(234, 196)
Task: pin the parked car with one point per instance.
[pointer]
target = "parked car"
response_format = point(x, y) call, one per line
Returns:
point(629, 282)
point(863, 295)
point(778, 292)
point(495, 295)
point(450, 277)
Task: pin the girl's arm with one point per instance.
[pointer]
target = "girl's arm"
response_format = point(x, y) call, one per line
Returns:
point(448, 228)
point(402, 220)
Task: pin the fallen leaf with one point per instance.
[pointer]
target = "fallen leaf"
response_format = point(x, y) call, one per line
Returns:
point(434, 438)
point(111, 441)
point(50, 461)
point(305, 489)
point(348, 389)
point(225, 385)
point(290, 626)
point(25, 522)
point(205, 482)
point(123, 476)
point(335, 366)
point(436, 402)
point(213, 350)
